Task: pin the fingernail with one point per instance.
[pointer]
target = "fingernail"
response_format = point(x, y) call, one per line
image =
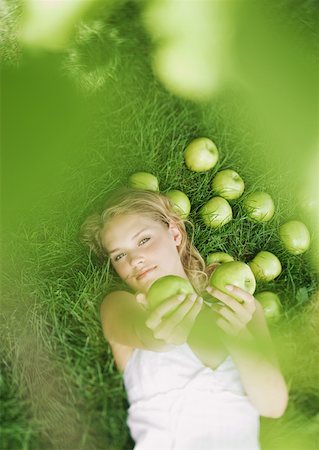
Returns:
point(229, 287)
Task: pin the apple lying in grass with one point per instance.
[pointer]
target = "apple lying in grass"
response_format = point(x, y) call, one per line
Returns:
point(271, 305)
point(219, 257)
point(295, 236)
point(259, 206)
point(265, 266)
point(201, 155)
point(216, 212)
point(144, 180)
point(182, 205)
point(228, 184)
point(166, 287)
point(236, 273)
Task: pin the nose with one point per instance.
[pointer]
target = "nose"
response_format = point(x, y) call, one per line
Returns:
point(136, 259)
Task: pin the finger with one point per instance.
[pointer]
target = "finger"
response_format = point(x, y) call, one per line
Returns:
point(180, 333)
point(189, 318)
point(164, 308)
point(243, 315)
point(233, 319)
point(210, 289)
point(228, 300)
point(178, 315)
point(166, 327)
point(141, 299)
point(247, 298)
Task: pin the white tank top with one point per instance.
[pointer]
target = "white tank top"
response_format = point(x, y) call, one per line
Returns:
point(176, 402)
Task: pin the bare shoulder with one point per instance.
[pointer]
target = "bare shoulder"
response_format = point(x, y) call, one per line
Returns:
point(114, 306)
point(115, 302)
point(114, 296)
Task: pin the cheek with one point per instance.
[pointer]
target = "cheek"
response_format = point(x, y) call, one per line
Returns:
point(120, 269)
point(163, 248)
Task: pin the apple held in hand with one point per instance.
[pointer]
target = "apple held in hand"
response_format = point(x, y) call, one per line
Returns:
point(259, 206)
point(201, 155)
point(295, 236)
point(168, 286)
point(236, 273)
point(144, 180)
point(228, 184)
point(182, 205)
point(265, 266)
point(271, 305)
point(218, 257)
point(216, 212)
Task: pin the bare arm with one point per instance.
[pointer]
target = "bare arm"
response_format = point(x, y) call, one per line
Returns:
point(259, 368)
point(126, 322)
point(252, 350)
point(205, 339)
point(123, 322)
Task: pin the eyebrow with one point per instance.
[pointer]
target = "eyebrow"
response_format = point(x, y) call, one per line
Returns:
point(133, 237)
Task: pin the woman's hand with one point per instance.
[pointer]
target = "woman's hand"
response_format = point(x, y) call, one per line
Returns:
point(235, 315)
point(173, 319)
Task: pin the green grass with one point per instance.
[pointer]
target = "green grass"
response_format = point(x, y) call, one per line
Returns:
point(59, 384)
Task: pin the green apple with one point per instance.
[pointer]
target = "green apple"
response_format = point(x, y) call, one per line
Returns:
point(228, 184)
point(201, 155)
point(259, 206)
point(144, 180)
point(216, 212)
point(271, 305)
point(182, 205)
point(168, 286)
point(265, 266)
point(236, 273)
point(218, 257)
point(295, 236)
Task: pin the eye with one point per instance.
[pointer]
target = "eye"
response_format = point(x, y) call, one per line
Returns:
point(118, 257)
point(143, 241)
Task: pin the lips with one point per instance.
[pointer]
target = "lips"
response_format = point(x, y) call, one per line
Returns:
point(144, 272)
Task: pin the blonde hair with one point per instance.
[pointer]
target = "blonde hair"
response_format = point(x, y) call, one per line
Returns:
point(156, 206)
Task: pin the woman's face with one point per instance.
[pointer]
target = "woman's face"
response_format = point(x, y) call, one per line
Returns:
point(142, 249)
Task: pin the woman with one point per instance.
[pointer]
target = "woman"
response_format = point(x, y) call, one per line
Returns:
point(195, 375)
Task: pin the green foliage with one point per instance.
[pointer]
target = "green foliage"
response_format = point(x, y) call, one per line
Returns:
point(16, 430)
point(10, 49)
